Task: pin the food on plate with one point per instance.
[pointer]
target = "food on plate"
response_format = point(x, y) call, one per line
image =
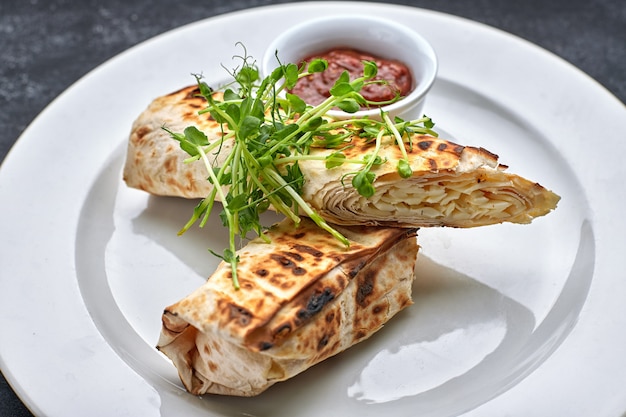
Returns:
point(310, 286)
point(394, 76)
point(304, 297)
point(448, 184)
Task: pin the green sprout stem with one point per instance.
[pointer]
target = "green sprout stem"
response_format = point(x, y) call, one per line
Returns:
point(396, 135)
point(229, 216)
point(319, 221)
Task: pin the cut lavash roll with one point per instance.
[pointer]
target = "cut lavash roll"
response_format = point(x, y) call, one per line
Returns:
point(304, 297)
point(451, 185)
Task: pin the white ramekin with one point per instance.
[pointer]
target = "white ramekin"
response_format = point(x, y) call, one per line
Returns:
point(379, 37)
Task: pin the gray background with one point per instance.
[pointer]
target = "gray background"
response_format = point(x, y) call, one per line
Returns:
point(46, 46)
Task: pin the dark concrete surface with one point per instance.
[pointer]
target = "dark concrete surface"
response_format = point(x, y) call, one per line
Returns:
point(46, 46)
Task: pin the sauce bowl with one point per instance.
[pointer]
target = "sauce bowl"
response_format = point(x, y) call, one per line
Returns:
point(375, 36)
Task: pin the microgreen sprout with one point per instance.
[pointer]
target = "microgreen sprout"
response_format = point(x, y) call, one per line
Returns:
point(272, 130)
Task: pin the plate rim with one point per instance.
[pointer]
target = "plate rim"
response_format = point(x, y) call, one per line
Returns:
point(7, 164)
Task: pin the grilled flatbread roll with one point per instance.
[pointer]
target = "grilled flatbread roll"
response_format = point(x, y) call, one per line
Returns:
point(304, 297)
point(451, 185)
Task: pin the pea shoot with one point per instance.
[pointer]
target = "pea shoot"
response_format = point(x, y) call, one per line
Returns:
point(272, 130)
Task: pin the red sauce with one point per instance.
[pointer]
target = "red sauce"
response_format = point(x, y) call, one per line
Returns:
point(313, 89)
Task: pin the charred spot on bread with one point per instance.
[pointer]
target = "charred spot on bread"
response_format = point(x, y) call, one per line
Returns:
point(316, 302)
point(239, 315)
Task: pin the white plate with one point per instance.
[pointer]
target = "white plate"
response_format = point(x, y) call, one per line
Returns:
point(522, 320)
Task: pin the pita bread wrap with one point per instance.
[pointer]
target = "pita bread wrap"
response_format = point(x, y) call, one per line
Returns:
point(451, 184)
point(304, 297)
